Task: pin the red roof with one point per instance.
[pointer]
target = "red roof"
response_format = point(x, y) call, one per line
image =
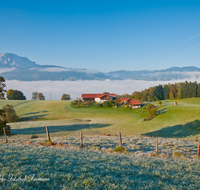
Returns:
point(124, 99)
point(110, 95)
point(95, 95)
point(135, 102)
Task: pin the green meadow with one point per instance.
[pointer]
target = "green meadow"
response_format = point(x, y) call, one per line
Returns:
point(171, 121)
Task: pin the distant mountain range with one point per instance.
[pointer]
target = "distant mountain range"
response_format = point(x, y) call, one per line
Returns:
point(14, 67)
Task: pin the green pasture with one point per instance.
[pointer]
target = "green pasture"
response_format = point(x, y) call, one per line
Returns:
point(172, 121)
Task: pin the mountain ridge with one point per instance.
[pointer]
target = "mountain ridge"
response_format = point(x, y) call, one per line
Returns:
point(14, 67)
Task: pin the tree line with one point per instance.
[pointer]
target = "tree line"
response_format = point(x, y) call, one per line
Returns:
point(168, 91)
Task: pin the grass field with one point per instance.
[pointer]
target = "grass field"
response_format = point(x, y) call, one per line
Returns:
point(26, 167)
point(26, 163)
point(172, 121)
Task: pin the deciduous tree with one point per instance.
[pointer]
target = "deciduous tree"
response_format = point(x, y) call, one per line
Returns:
point(2, 86)
point(40, 96)
point(34, 95)
point(65, 97)
point(10, 114)
point(15, 95)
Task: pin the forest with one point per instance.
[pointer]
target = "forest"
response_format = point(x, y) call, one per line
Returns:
point(168, 91)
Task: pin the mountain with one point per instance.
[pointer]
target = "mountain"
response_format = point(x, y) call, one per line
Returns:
point(12, 60)
point(14, 67)
point(154, 75)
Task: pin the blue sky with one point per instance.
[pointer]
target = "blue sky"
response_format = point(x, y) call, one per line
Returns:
point(102, 35)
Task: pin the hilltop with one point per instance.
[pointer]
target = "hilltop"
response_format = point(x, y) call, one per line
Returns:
point(171, 121)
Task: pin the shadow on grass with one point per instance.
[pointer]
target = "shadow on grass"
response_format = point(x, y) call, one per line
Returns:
point(25, 102)
point(32, 118)
point(59, 128)
point(33, 113)
point(177, 131)
point(161, 111)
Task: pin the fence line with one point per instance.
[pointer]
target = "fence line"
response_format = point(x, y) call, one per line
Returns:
point(120, 140)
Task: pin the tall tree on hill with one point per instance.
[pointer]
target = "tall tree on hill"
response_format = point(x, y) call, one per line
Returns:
point(198, 90)
point(137, 95)
point(34, 95)
point(186, 90)
point(2, 86)
point(166, 91)
point(158, 92)
point(15, 95)
point(172, 93)
point(193, 89)
point(178, 96)
point(65, 97)
point(40, 96)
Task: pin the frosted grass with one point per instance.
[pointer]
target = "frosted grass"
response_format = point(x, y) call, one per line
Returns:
point(81, 169)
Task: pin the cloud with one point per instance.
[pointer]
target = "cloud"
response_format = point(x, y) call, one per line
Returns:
point(57, 69)
point(195, 73)
point(76, 88)
point(3, 70)
point(53, 69)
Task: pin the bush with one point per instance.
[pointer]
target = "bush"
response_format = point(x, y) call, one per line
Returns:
point(119, 149)
point(80, 103)
point(10, 114)
point(151, 110)
point(3, 123)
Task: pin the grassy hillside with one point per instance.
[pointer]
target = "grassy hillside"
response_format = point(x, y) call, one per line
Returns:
point(172, 121)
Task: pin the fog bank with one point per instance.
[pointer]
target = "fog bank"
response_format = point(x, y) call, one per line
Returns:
point(76, 88)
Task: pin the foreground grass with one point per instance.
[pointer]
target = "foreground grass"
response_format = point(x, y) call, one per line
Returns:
point(79, 169)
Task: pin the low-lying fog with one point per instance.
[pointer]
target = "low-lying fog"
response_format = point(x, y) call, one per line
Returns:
point(76, 88)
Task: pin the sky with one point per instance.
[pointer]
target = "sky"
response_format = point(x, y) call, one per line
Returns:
point(103, 35)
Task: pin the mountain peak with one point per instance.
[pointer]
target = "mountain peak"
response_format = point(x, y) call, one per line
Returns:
point(13, 60)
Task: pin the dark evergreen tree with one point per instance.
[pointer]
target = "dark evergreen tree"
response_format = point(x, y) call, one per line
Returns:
point(166, 92)
point(198, 90)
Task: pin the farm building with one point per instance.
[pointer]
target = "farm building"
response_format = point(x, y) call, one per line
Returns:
point(132, 103)
point(98, 97)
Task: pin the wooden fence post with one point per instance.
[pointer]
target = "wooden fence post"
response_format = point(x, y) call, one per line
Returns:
point(48, 135)
point(81, 139)
point(120, 140)
point(156, 146)
point(198, 147)
point(4, 131)
point(196, 137)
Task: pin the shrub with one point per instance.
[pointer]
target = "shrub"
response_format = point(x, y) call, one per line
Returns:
point(3, 123)
point(119, 149)
point(178, 154)
point(10, 114)
point(151, 110)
